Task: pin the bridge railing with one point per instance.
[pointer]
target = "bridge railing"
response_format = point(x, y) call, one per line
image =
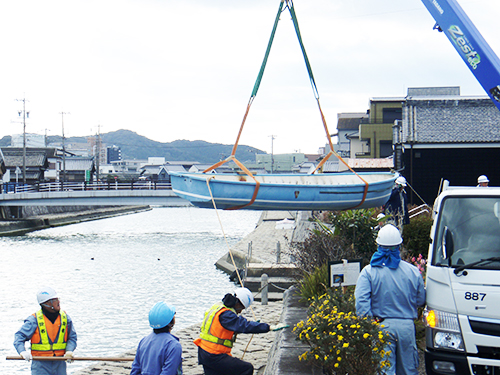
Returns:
point(88, 186)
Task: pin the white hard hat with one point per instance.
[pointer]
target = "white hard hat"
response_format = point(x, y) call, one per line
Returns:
point(401, 181)
point(482, 178)
point(45, 294)
point(389, 235)
point(245, 296)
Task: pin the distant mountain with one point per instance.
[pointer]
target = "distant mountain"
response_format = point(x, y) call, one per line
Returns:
point(135, 146)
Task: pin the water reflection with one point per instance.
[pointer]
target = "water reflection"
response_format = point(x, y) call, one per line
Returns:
point(110, 272)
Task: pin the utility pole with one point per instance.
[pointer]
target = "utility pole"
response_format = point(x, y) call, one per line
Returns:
point(98, 151)
point(63, 145)
point(272, 152)
point(25, 114)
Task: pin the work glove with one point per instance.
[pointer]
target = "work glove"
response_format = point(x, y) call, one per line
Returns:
point(277, 327)
point(69, 356)
point(26, 355)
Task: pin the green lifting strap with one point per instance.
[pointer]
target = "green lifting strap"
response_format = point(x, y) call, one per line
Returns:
point(306, 59)
point(263, 66)
point(291, 9)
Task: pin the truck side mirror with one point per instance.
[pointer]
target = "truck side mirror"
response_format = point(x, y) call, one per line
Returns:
point(447, 244)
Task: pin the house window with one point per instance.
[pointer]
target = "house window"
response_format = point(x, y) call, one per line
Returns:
point(385, 149)
point(389, 115)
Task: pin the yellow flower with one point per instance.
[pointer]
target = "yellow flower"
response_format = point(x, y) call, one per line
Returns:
point(339, 359)
point(336, 365)
point(366, 335)
point(346, 344)
point(340, 337)
point(316, 356)
point(338, 351)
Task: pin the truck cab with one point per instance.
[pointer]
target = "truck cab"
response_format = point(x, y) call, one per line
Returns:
point(462, 315)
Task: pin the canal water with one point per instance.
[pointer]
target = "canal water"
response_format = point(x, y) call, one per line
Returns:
point(110, 272)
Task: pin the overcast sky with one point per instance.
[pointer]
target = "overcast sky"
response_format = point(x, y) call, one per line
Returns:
point(185, 69)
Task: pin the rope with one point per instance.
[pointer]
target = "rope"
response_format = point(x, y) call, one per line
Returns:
point(411, 187)
point(231, 255)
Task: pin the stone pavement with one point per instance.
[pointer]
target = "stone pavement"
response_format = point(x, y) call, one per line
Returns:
point(257, 352)
point(264, 239)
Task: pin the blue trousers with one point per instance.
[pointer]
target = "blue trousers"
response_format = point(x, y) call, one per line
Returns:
point(403, 347)
point(48, 367)
point(223, 364)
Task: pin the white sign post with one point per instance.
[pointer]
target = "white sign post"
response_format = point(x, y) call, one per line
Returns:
point(344, 272)
point(18, 171)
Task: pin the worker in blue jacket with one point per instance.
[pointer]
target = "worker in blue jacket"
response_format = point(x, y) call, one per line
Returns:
point(160, 352)
point(390, 290)
point(51, 333)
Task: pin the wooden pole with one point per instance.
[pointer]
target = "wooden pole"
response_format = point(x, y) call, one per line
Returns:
point(106, 359)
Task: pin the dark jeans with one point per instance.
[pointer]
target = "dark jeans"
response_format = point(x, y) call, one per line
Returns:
point(223, 364)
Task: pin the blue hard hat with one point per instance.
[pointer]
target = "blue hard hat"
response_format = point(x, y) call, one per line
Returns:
point(161, 315)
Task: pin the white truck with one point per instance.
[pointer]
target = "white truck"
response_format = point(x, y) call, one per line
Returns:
point(462, 315)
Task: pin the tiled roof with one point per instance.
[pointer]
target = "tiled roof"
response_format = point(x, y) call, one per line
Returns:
point(348, 123)
point(79, 164)
point(451, 120)
point(33, 159)
point(358, 164)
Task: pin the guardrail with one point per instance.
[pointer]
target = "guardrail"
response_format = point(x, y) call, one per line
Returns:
point(419, 210)
point(87, 186)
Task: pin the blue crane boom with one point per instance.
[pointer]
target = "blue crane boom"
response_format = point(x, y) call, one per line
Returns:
point(469, 43)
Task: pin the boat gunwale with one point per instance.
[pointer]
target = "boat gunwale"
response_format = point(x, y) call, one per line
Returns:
point(201, 177)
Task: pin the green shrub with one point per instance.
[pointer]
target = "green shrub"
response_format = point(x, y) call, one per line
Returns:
point(356, 226)
point(341, 342)
point(314, 284)
point(416, 236)
point(320, 247)
point(344, 235)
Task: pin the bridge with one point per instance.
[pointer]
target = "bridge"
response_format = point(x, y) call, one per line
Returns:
point(92, 194)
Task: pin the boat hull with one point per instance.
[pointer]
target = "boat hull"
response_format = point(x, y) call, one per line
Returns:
point(339, 191)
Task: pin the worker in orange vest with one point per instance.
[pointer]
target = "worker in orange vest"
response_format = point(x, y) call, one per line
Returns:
point(51, 333)
point(218, 331)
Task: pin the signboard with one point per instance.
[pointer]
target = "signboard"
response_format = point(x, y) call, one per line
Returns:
point(344, 272)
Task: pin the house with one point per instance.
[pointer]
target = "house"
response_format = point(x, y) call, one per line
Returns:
point(368, 135)
point(377, 133)
point(443, 135)
point(78, 169)
point(29, 165)
point(348, 141)
point(164, 173)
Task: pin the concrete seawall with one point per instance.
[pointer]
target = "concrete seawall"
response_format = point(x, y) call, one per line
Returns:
point(48, 220)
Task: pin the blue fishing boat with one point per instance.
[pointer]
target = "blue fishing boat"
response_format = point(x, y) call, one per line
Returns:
point(297, 192)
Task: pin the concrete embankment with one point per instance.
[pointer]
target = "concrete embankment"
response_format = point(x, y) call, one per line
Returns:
point(48, 220)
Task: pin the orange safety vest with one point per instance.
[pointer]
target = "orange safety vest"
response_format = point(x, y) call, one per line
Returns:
point(49, 339)
point(214, 338)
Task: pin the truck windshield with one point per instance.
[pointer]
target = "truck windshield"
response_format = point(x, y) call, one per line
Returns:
point(475, 231)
